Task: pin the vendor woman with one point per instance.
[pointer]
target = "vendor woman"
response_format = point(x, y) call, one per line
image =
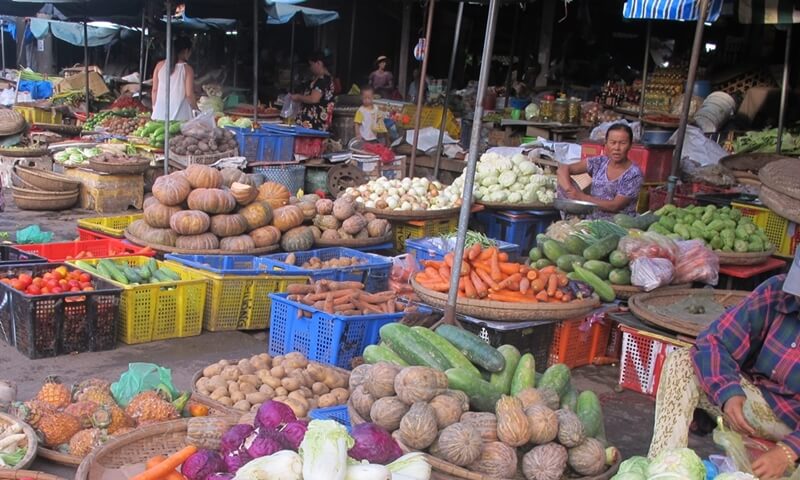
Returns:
point(317, 99)
point(616, 180)
point(746, 367)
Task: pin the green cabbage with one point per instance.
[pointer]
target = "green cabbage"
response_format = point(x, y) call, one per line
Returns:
point(507, 179)
point(635, 464)
point(678, 464)
point(324, 450)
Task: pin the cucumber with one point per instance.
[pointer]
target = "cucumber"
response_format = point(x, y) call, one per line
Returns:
point(618, 259)
point(152, 265)
point(524, 375)
point(570, 399)
point(554, 250)
point(85, 266)
point(590, 413)
point(144, 272)
point(482, 395)
point(565, 262)
point(159, 276)
point(411, 347)
point(603, 289)
point(600, 249)
point(556, 378)
point(501, 381)
point(170, 273)
point(599, 268)
point(575, 245)
point(535, 254)
point(378, 353)
point(640, 222)
point(620, 276)
point(131, 275)
point(476, 350)
point(542, 262)
point(114, 271)
point(454, 357)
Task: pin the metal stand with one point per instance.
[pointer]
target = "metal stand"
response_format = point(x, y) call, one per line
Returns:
point(3, 45)
point(421, 92)
point(255, 61)
point(645, 66)
point(291, 58)
point(784, 88)
point(142, 64)
point(168, 66)
point(450, 73)
point(86, 65)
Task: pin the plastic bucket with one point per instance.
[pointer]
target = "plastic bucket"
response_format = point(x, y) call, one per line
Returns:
point(656, 137)
point(717, 109)
point(701, 88)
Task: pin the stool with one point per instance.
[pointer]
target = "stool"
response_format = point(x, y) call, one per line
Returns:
point(750, 275)
point(106, 193)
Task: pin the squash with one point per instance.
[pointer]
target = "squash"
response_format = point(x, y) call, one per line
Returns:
point(190, 222)
point(243, 194)
point(378, 227)
point(380, 380)
point(308, 209)
point(549, 398)
point(545, 462)
point(158, 236)
point(316, 232)
point(359, 375)
point(274, 193)
point(257, 214)
point(228, 225)
point(203, 176)
point(324, 206)
point(484, 422)
point(418, 426)
point(157, 215)
point(329, 235)
point(459, 444)
point(529, 396)
point(448, 410)
point(171, 189)
point(419, 384)
point(344, 235)
point(266, 236)
point(240, 243)
point(369, 216)
point(287, 218)
point(354, 224)
point(512, 424)
point(149, 200)
point(497, 460)
point(463, 398)
point(211, 200)
point(344, 207)
point(543, 424)
point(387, 412)
point(204, 241)
point(570, 429)
point(362, 402)
point(231, 175)
point(327, 222)
point(297, 239)
point(588, 458)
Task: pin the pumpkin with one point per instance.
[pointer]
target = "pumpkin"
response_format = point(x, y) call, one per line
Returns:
point(448, 410)
point(266, 236)
point(543, 423)
point(190, 222)
point(484, 422)
point(239, 243)
point(257, 214)
point(380, 380)
point(512, 424)
point(231, 175)
point(418, 426)
point(203, 241)
point(463, 399)
point(369, 216)
point(419, 384)
point(497, 460)
point(378, 228)
point(157, 215)
point(211, 200)
point(459, 444)
point(387, 412)
point(344, 207)
point(324, 206)
point(545, 462)
point(171, 189)
point(203, 176)
point(550, 398)
point(329, 235)
point(311, 198)
point(588, 458)
point(288, 217)
point(308, 209)
point(529, 396)
point(344, 235)
point(362, 401)
point(243, 194)
point(228, 225)
point(274, 193)
point(362, 235)
point(327, 222)
point(158, 236)
point(354, 224)
point(149, 200)
point(316, 232)
point(570, 429)
point(359, 375)
point(296, 239)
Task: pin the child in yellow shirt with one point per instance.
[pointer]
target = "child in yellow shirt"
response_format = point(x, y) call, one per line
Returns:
point(369, 119)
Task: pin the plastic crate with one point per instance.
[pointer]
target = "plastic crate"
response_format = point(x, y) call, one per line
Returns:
point(421, 229)
point(781, 232)
point(290, 175)
point(338, 414)
point(162, 310)
point(58, 324)
point(58, 252)
point(517, 227)
point(436, 248)
point(13, 255)
point(321, 336)
point(580, 341)
point(264, 146)
point(528, 337)
point(373, 273)
point(110, 226)
point(683, 197)
point(38, 115)
point(643, 356)
point(655, 161)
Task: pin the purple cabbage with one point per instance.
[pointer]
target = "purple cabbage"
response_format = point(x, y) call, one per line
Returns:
point(220, 476)
point(272, 415)
point(236, 459)
point(374, 444)
point(265, 443)
point(293, 433)
point(233, 438)
point(202, 464)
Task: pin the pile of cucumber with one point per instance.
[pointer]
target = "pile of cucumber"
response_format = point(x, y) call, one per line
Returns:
point(125, 274)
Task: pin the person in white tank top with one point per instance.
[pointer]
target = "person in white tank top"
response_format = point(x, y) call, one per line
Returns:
point(182, 100)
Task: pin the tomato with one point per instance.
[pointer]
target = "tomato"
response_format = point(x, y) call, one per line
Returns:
point(7, 281)
point(73, 283)
point(63, 283)
point(45, 290)
point(47, 276)
point(26, 279)
point(34, 290)
point(88, 289)
point(85, 277)
point(38, 282)
point(62, 270)
point(56, 290)
point(52, 283)
point(17, 284)
point(74, 289)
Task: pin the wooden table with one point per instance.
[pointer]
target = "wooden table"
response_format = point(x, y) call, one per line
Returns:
point(557, 132)
point(750, 274)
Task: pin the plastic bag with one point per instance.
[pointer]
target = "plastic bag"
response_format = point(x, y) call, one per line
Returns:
point(290, 108)
point(33, 234)
point(733, 445)
point(201, 126)
point(696, 263)
point(651, 273)
point(403, 267)
point(649, 245)
point(139, 378)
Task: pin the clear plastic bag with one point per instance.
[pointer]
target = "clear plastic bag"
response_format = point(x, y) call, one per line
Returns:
point(696, 263)
point(290, 108)
point(651, 273)
point(731, 442)
point(649, 245)
point(201, 126)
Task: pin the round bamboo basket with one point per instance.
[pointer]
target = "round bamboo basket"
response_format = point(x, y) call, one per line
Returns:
point(624, 292)
point(517, 206)
point(355, 242)
point(754, 258)
point(409, 215)
point(168, 249)
point(30, 443)
point(49, 181)
point(38, 200)
point(20, 474)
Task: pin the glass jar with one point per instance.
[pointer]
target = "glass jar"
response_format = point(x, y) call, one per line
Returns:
point(546, 108)
point(574, 111)
point(560, 111)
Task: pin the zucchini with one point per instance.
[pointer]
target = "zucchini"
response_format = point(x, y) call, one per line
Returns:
point(501, 381)
point(600, 249)
point(114, 271)
point(170, 273)
point(618, 259)
point(454, 357)
point(603, 289)
point(575, 245)
point(566, 262)
point(473, 347)
point(542, 262)
point(85, 266)
point(553, 250)
point(535, 254)
point(411, 347)
point(639, 222)
point(144, 272)
point(482, 395)
point(159, 276)
point(524, 375)
point(379, 353)
point(556, 378)
point(599, 268)
point(590, 413)
point(132, 275)
point(620, 276)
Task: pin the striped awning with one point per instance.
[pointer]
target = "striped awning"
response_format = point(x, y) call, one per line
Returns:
point(769, 11)
point(669, 9)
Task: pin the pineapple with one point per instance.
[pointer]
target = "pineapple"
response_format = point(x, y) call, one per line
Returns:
point(57, 428)
point(54, 393)
point(97, 395)
point(113, 419)
point(83, 442)
point(148, 407)
point(31, 412)
point(83, 411)
point(93, 383)
point(123, 431)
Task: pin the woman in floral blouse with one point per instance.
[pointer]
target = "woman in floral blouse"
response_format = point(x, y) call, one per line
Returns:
point(317, 98)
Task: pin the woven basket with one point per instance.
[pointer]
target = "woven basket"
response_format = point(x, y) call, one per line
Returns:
point(134, 166)
point(290, 175)
point(20, 474)
point(43, 201)
point(783, 205)
point(31, 442)
point(25, 152)
point(20, 183)
point(749, 162)
point(782, 176)
point(48, 181)
point(517, 206)
point(407, 216)
point(11, 122)
point(168, 249)
point(624, 292)
point(186, 160)
point(355, 242)
point(733, 258)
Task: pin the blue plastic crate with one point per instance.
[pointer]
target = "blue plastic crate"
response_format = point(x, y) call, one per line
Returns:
point(294, 130)
point(220, 264)
point(264, 145)
point(518, 227)
point(435, 248)
point(321, 336)
point(373, 273)
point(337, 413)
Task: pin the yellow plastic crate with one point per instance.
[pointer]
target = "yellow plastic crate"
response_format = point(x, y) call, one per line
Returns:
point(780, 231)
point(161, 310)
point(432, 117)
point(114, 226)
point(239, 302)
point(38, 115)
point(421, 229)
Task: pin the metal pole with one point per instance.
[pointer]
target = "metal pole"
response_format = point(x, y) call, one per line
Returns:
point(784, 88)
point(86, 65)
point(421, 87)
point(645, 64)
point(687, 100)
point(142, 65)
point(3, 44)
point(291, 58)
point(168, 66)
point(352, 42)
point(255, 61)
point(450, 72)
point(511, 61)
point(405, 39)
point(472, 161)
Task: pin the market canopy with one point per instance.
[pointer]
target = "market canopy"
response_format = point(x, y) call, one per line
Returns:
point(768, 11)
point(73, 32)
point(203, 24)
point(281, 13)
point(686, 10)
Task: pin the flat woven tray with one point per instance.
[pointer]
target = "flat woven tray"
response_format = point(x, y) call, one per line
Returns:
point(69, 130)
point(186, 160)
point(643, 305)
point(21, 152)
point(625, 292)
point(749, 162)
point(782, 176)
point(31, 442)
point(167, 249)
point(783, 205)
point(733, 258)
point(409, 215)
point(517, 206)
point(355, 242)
point(509, 312)
point(23, 474)
point(137, 165)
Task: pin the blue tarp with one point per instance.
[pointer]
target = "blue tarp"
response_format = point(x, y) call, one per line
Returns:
point(281, 13)
point(202, 23)
point(73, 32)
point(40, 89)
point(669, 9)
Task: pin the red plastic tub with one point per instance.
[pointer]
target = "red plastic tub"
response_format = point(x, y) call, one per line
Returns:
point(103, 248)
point(654, 160)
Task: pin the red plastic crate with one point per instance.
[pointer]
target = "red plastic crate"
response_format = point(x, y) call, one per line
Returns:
point(58, 252)
point(310, 147)
point(84, 234)
point(580, 341)
point(643, 356)
point(683, 197)
point(654, 160)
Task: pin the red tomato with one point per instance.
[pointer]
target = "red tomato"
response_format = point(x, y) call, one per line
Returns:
point(73, 283)
point(74, 289)
point(45, 290)
point(85, 277)
point(52, 283)
point(38, 282)
point(63, 283)
point(34, 290)
point(26, 279)
point(7, 281)
point(56, 290)
point(88, 289)
point(47, 276)
point(17, 284)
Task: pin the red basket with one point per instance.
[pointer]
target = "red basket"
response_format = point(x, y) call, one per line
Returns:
point(643, 356)
point(103, 248)
point(310, 147)
point(575, 345)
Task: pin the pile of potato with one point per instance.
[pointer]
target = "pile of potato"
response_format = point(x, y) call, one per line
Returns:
point(289, 379)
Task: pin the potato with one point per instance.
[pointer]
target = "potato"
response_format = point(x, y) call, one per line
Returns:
point(280, 398)
point(265, 357)
point(300, 409)
point(298, 375)
point(289, 370)
point(295, 362)
point(247, 418)
point(277, 360)
point(237, 396)
point(251, 379)
point(327, 400)
point(254, 408)
point(230, 373)
point(216, 382)
point(320, 388)
point(226, 401)
point(263, 374)
point(259, 364)
point(317, 372)
point(335, 380)
point(219, 393)
point(212, 370)
point(290, 384)
point(272, 382)
point(313, 403)
point(202, 384)
point(278, 372)
point(267, 390)
point(223, 363)
point(242, 405)
point(307, 379)
point(297, 394)
point(233, 386)
point(256, 398)
point(247, 388)
point(307, 393)
point(281, 392)
point(341, 394)
point(245, 367)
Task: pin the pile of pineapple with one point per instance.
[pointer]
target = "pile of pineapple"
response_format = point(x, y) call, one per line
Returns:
point(75, 421)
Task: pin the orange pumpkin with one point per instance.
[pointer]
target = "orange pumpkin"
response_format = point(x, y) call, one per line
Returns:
point(287, 217)
point(274, 193)
point(157, 214)
point(228, 225)
point(203, 176)
point(190, 222)
point(171, 189)
point(211, 200)
point(266, 236)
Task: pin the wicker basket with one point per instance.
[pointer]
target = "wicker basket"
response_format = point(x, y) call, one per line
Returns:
point(750, 258)
point(47, 201)
point(355, 242)
point(21, 474)
point(51, 182)
point(410, 215)
point(133, 166)
point(23, 152)
point(11, 122)
point(184, 161)
point(31, 442)
point(20, 183)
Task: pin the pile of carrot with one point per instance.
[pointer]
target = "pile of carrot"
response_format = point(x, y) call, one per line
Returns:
point(165, 468)
point(486, 273)
point(345, 298)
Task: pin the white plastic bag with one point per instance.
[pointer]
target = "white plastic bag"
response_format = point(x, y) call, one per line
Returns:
point(290, 108)
point(651, 273)
point(201, 126)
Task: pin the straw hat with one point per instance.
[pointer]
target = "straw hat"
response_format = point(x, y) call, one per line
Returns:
point(11, 122)
point(382, 58)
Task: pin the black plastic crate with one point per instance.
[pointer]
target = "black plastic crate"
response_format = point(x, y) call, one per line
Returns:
point(14, 256)
point(49, 325)
point(528, 337)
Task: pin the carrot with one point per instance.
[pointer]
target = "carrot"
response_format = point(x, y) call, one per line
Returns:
point(380, 297)
point(532, 274)
point(473, 252)
point(552, 284)
point(511, 297)
point(524, 285)
point(448, 259)
point(537, 285)
point(559, 294)
point(567, 297)
point(480, 287)
point(548, 269)
point(486, 254)
point(542, 296)
point(328, 303)
point(438, 286)
point(391, 306)
point(487, 278)
point(444, 272)
point(481, 265)
point(465, 268)
point(509, 268)
point(503, 256)
point(432, 272)
point(155, 461)
point(298, 288)
point(524, 269)
point(544, 277)
point(432, 263)
point(170, 464)
point(509, 281)
point(469, 287)
point(563, 280)
point(497, 274)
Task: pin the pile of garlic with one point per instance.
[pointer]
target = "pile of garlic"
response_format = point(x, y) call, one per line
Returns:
point(406, 194)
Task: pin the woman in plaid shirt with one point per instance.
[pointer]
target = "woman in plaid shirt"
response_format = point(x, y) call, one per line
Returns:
point(745, 366)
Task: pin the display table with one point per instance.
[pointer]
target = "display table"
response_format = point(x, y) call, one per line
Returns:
point(735, 276)
point(557, 132)
point(106, 193)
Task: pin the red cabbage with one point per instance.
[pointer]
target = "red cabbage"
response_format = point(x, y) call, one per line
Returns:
point(233, 438)
point(220, 476)
point(374, 444)
point(202, 464)
point(265, 443)
point(235, 460)
point(272, 415)
point(294, 432)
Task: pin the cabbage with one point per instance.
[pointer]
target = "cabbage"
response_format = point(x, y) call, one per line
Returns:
point(244, 123)
point(514, 197)
point(629, 476)
point(283, 465)
point(265, 442)
point(233, 438)
point(411, 466)
point(527, 168)
point(235, 460)
point(201, 464)
point(495, 188)
point(735, 476)
point(272, 415)
point(324, 450)
point(293, 433)
point(678, 464)
point(519, 158)
point(635, 464)
point(225, 122)
point(489, 181)
point(507, 178)
point(497, 197)
point(374, 444)
point(367, 472)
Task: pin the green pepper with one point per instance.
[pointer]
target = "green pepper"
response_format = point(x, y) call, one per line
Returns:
point(716, 242)
point(682, 229)
point(707, 217)
point(668, 223)
point(740, 246)
point(695, 232)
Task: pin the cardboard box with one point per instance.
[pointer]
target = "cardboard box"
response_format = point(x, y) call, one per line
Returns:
point(77, 82)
